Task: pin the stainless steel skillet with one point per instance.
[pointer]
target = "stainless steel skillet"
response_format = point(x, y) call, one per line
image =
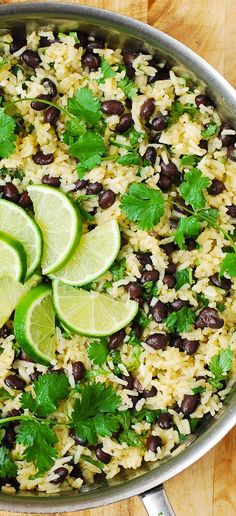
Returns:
point(119, 30)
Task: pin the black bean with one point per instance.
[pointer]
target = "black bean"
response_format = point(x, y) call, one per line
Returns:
point(231, 153)
point(165, 421)
point(61, 475)
point(162, 74)
point(190, 243)
point(157, 341)
point(169, 248)
point(106, 199)
point(83, 40)
point(220, 282)
point(40, 106)
point(190, 346)
point(165, 182)
point(76, 438)
point(169, 169)
point(203, 144)
point(216, 188)
point(155, 138)
point(51, 181)
point(181, 205)
point(16, 45)
point(227, 139)
point(231, 210)
point(137, 385)
point(154, 442)
point(51, 115)
point(189, 403)
point(129, 58)
point(112, 107)
point(125, 123)
point(4, 332)
point(78, 371)
point(14, 413)
point(35, 375)
point(15, 382)
point(80, 184)
point(152, 275)
point(2, 91)
point(175, 341)
point(117, 339)
point(10, 436)
point(50, 86)
point(203, 100)
point(76, 472)
point(45, 159)
point(10, 192)
point(144, 258)
point(169, 280)
point(149, 393)
point(177, 304)
point(159, 311)
point(94, 188)
point(31, 58)
point(171, 268)
point(150, 155)
point(159, 123)
point(135, 290)
point(95, 44)
point(46, 42)
point(25, 200)
point(147, 109)
point(91, 61)
point(129, 381)
point(101, 455)
point(209, 317)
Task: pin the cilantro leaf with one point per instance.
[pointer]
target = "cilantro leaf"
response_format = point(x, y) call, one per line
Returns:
point(131, 158)
point(187, 227)
point(39, 441)
point(7, 134)
point(107, 70)
point(74, 128)
point(180, 322)
point(85, 105)
point(131, 438)
point(211, 130)
point(177, 110)
point(220, 307)
point(135, 357)
point(192, 186)
point(4, 394)
point(182, 277)
point(150, 415)
point(128, 87)
point(49, 390)
point(89, 149)
point(219, 366)
point(143, 205)
point(134, 136)
point(124, 419)
point(202, 300)
point(96, 463)
point(189, 161)
point(198, 390)
point(229, 265)
point(7, 466)
point(98, 351)
point(142, 320)
point(210, 215)
point(94, 412)
point(118, 269)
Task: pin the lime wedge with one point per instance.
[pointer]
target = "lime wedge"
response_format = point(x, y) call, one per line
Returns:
point(60, 222)
point(16, 223)
point(34, 325)
point(13, 258)
point(94, 255)
point(91, 313)
point(11, 292)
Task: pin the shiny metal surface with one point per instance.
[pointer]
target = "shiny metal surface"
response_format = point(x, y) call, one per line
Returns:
point(156, 502)
point(120, 30)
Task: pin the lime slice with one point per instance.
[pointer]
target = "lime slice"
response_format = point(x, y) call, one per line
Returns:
point(11, 292)
point(91, 313)
point(60, 222)
point(16, 223)
point(34, 325)
point(13, 258)
point(94, 255)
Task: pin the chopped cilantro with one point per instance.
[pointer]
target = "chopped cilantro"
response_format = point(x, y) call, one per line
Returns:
point(107, 71)
point(181, 321)
point(211, 130)
point(143, 205)
point(189, 161)
point(142, 319)
point(48, 391)
point(3, 61)
point(192, 187)
point(131, 438)
point(151, 288)
point(182, 277)
point(131, 158)
point(98, 351)
point(150, 415)
point(182, 437)
point(135, 358)
point(7, 466)
point(187, 227)
point(128, 87)
point(220, 307)
point(134, 136)
point(39, 441)
point(74, 35)
point(202, 300)
point(97, 463)
point(118, 269)
point(194, 422)
point(4, 394)
point(107, 284)
point(228, 265)
point(198, 390)
point(86, 106)
point(116, 357)
point(7, 134)
point(220, 365)
point(177, 110)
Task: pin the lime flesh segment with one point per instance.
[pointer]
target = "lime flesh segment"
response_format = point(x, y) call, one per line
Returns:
point(11, 292)
point(34, 325)
point(94, 255)
point(91, 313)
point(60, 223)
point(13, 258)
point(15, 222)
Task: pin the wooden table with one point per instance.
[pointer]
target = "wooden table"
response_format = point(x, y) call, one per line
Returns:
point(208, 27)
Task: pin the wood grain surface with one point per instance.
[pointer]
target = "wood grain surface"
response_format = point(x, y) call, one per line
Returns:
point(208, 27)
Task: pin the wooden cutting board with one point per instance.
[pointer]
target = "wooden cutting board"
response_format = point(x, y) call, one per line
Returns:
point(208, 27)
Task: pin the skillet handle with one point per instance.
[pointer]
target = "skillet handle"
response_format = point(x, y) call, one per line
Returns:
point(156, 502)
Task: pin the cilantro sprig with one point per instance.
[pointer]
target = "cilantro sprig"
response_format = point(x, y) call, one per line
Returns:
point(143, 205)
point(7, 134)
point(7, 466)
point(220, 365)
point(181, 321)
point(192, 188)
point(48, 391)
